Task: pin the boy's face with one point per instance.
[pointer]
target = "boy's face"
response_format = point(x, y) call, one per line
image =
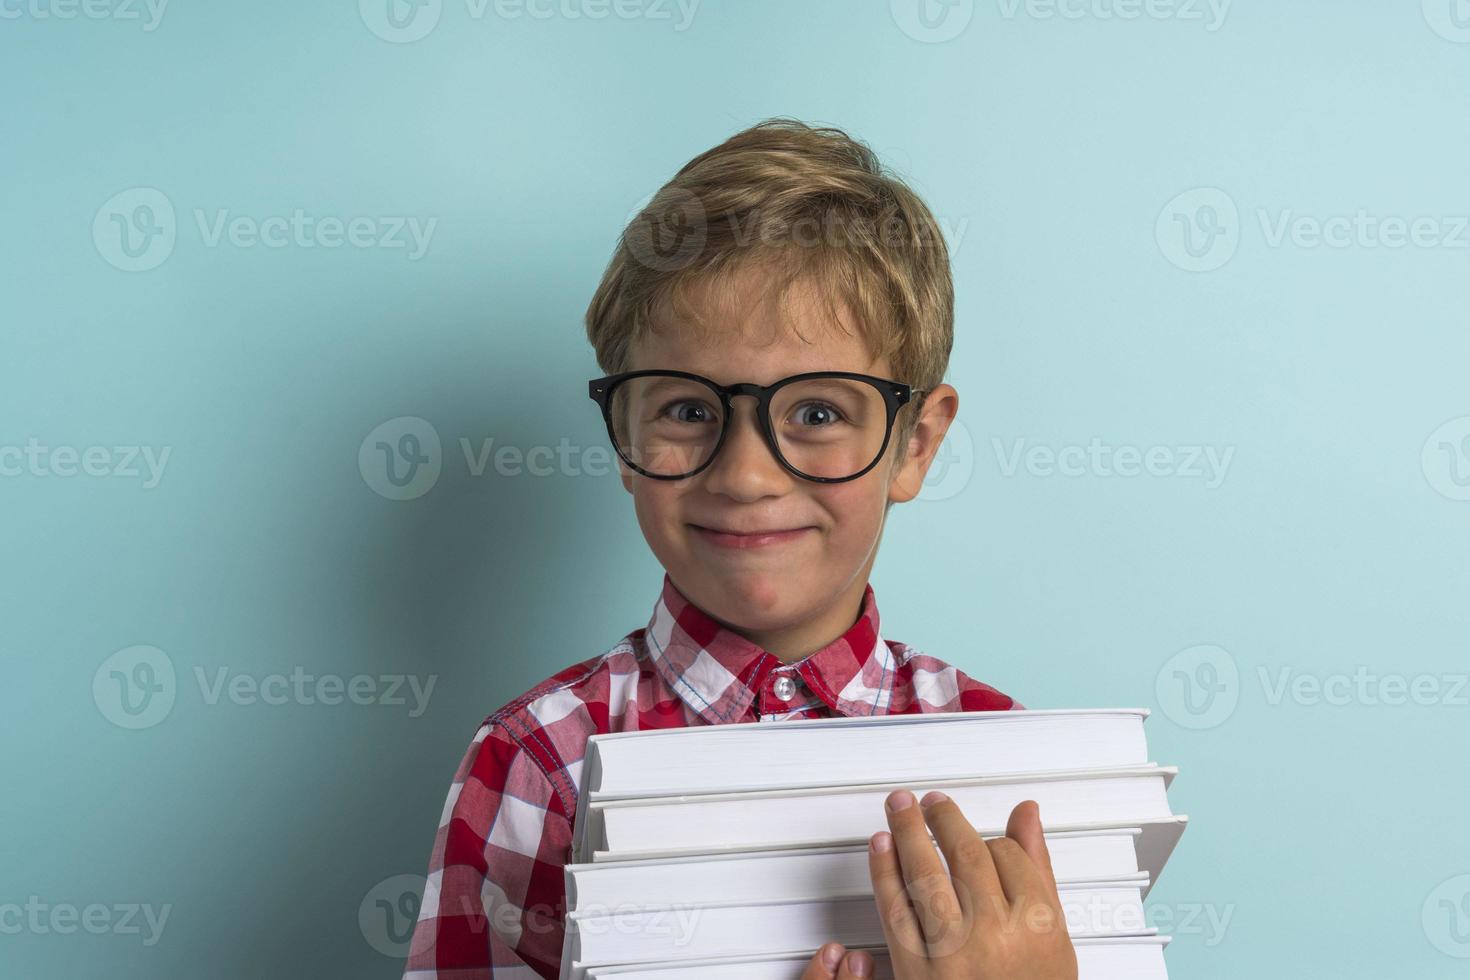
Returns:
point(793, 592)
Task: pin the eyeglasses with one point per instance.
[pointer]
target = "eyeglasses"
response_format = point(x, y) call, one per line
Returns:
point(825, 426)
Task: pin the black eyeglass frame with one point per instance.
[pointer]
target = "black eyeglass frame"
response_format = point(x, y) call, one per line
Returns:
point(895, 394)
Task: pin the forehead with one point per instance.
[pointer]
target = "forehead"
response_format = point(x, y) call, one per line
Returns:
point(740, 328)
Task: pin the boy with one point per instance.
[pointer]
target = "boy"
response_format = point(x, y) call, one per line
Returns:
point(785, 265)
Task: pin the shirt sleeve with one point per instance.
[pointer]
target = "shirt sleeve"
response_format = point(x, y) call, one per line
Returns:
point(495, 901)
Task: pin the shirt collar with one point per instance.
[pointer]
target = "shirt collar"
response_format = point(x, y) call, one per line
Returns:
point(719, 673)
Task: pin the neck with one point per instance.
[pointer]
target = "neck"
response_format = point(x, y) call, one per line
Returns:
point(793, 643)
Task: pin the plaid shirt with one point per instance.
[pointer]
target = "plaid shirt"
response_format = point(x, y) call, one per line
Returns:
point(494, 903)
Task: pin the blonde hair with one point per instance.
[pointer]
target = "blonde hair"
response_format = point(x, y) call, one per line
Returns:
point(804, 204)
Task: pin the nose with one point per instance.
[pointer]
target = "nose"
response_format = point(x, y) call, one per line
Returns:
point(745, 468)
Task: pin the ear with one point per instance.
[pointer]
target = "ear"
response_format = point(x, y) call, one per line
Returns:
point(914, 457)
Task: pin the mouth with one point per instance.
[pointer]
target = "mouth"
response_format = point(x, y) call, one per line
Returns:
point(723, 538)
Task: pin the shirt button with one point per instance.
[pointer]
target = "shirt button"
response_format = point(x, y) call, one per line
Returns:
point(784, 688)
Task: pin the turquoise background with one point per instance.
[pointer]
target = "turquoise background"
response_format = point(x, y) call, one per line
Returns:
point(1048, 146)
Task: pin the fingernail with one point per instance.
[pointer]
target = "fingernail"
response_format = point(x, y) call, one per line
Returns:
point(932, 797)
point(882, 842)
point(831, 955)
point(861, 964)
point(900, 800)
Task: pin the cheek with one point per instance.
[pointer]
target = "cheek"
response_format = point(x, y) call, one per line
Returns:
point(657, 505)
point(856, 508)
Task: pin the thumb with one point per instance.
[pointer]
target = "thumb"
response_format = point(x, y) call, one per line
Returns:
point(823, 964)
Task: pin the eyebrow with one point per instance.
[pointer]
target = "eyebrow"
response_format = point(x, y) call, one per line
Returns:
point(838, 384)
point(657, 384)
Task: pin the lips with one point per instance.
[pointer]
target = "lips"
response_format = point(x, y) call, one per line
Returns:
point(755, 538)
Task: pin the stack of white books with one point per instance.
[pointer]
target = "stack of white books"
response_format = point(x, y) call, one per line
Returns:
point(736, 851)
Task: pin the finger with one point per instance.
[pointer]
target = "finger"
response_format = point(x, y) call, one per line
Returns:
point(976, 882)
point(1024, 827)
point(824, 962)
point(929, 887)
point(856, 965)
point(1033, 902)
point(901, 929)
point(1020, 879)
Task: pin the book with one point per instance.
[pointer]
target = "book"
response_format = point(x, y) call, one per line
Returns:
point(600, 936)
point(1109, 958)
point(738, 850)
point(881, 748)
point(1088, 853)
point(823, 814)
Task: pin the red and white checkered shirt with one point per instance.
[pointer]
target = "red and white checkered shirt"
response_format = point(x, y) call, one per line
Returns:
point(494, 903)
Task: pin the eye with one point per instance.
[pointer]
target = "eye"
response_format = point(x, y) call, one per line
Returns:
point(817, 414)
point(688, 411)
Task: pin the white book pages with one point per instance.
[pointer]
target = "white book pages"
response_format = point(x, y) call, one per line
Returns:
point(1118, 958)
point(1154, 844)
point(813, 817)
point(881, 748)
point(694, 931)
point(826, 751)
point(816, 872)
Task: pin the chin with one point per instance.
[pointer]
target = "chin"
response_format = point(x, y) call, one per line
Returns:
point(754, 600)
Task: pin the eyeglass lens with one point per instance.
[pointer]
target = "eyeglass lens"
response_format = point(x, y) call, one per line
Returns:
point(825, 427)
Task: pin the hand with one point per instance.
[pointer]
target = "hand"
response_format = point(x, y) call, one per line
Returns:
point(995, 915)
